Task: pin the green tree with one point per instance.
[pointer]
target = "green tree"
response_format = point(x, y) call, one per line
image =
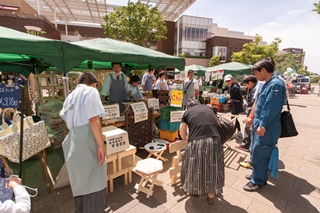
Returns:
point(286, 60)
point(214, 61)
point(137, 23)
point(317, 9)
point(253, 51)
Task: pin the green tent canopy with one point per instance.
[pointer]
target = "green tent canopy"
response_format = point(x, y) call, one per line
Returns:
point(233, 68)
point(40, 50)
point(33, 53)
point(198, 69)
point(109, 50)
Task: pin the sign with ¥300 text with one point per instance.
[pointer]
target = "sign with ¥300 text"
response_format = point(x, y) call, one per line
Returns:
point(9, 96)
point(176, 116)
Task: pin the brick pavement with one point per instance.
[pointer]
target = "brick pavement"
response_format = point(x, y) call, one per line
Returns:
point(296, 190)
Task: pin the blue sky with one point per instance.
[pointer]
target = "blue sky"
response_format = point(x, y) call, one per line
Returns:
point(291, 20)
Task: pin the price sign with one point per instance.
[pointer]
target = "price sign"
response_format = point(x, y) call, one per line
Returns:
point(140, 112)
point(176, 116)
point(112, 111)
point(9, 96)
point(176, 97)
point(153, 103)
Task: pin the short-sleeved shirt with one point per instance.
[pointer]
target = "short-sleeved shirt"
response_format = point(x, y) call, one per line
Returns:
point(201, 122)
point(135, 92)
point(161, 82)
point(88, 106)
point(144, 78)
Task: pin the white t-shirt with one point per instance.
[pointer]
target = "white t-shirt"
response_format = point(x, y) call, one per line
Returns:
point(89, 105)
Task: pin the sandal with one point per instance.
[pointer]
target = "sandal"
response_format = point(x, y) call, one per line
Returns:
point(210, 200)
point(246, 164)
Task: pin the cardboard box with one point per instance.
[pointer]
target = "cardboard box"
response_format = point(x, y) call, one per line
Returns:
point(116, 139)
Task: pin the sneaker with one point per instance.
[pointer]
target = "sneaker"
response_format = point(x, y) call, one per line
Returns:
point(238, 146)
point(251, 187)
point(248, 177)
point(246, 164)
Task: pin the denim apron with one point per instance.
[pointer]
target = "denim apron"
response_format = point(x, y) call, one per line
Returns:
point(189, 92)
point(80, 154)
point(118, 92)
point(149, 83)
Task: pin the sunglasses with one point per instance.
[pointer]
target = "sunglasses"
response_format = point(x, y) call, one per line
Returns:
point(228, 81)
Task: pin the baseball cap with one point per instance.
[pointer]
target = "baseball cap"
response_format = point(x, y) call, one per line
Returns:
point(228, 77)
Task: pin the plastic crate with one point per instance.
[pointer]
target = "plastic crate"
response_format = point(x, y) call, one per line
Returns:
point(165, 112)
point(167, 125)
point(168, 135)
point(222, 99)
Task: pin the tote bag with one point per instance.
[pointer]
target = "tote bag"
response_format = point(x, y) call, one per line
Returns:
point(35, 139)
point(27, 121)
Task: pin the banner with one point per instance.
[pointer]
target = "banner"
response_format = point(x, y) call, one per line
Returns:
point(217, 74)
point(140, 112)
point(176, 98)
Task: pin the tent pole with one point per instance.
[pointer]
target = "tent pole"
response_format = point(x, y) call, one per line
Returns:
point(21, 131)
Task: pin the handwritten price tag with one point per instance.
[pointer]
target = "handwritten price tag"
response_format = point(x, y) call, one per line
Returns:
point(9, 96)
point(140, 111)
point(153, 103)
point(176, 116)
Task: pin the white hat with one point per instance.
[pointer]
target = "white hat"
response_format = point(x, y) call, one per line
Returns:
point(228, 77)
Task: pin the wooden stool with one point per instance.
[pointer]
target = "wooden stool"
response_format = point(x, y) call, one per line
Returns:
point(148, 169)
point(119, 164)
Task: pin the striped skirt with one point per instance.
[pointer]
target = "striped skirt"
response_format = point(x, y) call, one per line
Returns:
point(202, 169)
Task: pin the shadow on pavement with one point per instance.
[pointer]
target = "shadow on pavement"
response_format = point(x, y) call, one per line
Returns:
point(292, 188)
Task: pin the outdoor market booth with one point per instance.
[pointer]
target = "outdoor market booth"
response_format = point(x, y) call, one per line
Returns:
point(214, 94)
point(16, 56)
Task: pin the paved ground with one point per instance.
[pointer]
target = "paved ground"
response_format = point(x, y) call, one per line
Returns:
point(296, 190)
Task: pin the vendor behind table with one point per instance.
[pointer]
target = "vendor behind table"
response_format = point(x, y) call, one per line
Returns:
point(116, 85)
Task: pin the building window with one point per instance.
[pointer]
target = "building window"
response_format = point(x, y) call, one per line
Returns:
point(221, 51)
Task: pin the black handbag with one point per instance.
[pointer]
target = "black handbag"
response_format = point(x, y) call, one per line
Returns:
point(225, 127)
point(288, 129)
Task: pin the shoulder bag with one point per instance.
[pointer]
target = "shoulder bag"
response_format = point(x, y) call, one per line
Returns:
point(225, 127)
point(288, 129)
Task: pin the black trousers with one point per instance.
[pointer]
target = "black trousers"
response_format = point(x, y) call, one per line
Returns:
point(237, 124)
point(247, 135)
point(95, 202)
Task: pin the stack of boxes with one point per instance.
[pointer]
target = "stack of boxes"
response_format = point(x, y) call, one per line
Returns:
point(218, 102)
point(168, 130)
